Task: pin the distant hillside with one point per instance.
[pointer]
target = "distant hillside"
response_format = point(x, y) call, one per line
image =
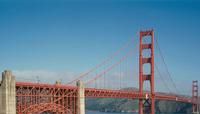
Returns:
point(127, 105)
point(111, 105)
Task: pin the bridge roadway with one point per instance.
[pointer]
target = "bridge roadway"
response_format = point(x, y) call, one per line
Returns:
point(22, 88)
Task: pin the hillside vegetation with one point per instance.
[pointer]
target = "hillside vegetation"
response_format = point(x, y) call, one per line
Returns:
point(127, 105)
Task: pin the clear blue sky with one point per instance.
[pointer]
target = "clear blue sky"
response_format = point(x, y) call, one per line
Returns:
point(75, 36)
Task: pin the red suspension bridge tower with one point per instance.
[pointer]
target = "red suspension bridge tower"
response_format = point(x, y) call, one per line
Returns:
point(195, 106)
point(147, 104)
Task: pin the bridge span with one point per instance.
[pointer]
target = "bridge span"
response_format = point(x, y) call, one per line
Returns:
point(38, 98)
point(63, 99)
point(93, 92)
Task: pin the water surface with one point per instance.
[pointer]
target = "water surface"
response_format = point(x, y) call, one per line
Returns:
point(95, 112)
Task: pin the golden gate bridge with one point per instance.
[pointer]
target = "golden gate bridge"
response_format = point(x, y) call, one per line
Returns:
point(37, 98)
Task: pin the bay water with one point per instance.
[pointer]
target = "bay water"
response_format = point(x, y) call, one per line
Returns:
point(96, 112)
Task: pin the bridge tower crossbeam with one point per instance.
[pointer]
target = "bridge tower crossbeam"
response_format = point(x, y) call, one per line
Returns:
point(147, 104)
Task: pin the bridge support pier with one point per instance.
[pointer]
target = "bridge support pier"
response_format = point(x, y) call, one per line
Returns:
point(80, 104)
point(7, 94)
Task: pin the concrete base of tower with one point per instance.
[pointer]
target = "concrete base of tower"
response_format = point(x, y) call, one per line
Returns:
point(7, 93)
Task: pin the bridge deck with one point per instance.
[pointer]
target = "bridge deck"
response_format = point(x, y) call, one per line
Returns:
point(101, 93)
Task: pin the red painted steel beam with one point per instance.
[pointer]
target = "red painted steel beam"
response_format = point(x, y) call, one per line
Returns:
point(29, 84)
point(34, 97)
point(105, 93)
point(98, 93)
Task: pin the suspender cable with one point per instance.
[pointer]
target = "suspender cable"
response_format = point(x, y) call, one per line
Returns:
point(104, 62)
point(162, 78)
point(166, 67)
point(110, 68)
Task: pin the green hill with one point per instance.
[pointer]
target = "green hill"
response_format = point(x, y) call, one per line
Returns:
point(127, 105)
